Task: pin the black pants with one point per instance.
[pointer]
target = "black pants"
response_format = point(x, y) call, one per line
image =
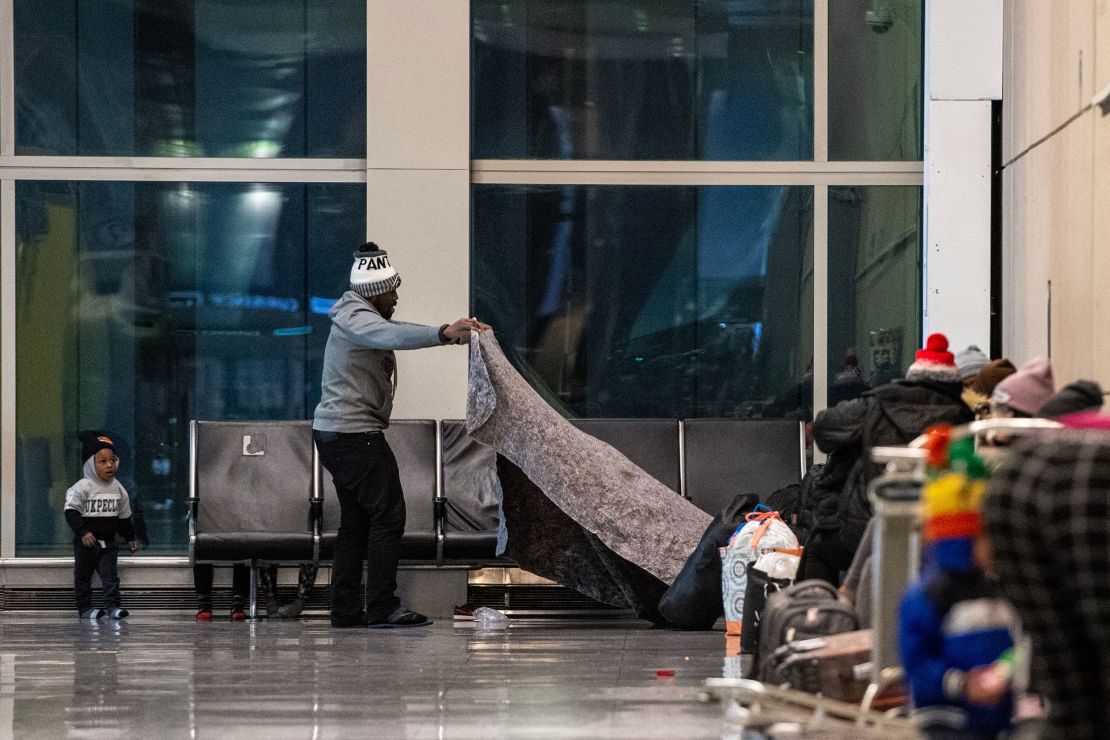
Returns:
point(824, 558)
point(202, 583)
point(86, 561)
point(372, 520)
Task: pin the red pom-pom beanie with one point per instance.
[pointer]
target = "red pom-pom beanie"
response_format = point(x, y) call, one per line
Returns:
point(934, 362)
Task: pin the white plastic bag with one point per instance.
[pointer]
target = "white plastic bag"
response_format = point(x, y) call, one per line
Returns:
point(762, 532)
point(779, 565)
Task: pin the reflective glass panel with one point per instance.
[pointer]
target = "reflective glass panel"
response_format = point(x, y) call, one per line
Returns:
point(642, 301)
point(202, 78)
point(874, 286)
point(140, 306)
point(642, 79)
point(875, 80)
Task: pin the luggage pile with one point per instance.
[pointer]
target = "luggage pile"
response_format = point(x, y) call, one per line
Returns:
point(803, 634)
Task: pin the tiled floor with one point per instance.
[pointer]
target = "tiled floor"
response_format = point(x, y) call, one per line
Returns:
point(166, 676)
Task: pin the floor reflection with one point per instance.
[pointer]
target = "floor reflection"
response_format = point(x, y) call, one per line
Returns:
point(168, 677)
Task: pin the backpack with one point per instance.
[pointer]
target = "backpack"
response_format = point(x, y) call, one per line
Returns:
point(795, 501)
point(805, 610)
point(788, 503)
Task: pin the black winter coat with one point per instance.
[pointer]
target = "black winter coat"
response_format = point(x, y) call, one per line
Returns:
point(892, 414)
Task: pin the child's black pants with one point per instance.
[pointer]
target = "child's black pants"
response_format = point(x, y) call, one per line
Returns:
point(86, 561)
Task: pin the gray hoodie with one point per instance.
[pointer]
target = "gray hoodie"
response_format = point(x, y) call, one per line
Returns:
point(359, 377)
point(100, 507)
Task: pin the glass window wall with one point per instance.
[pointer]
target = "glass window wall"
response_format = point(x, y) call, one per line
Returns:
point(640, 301)
point(874, 286)
point(140, 306)
point(875, 79)
point(198, 78)
point(642, 79)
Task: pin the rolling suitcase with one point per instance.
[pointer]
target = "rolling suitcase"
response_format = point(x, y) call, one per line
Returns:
point(828, 665)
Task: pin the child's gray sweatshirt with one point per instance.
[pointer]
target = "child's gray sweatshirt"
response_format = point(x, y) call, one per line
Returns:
point(100, 507)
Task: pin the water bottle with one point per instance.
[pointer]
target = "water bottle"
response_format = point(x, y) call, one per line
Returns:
point(490, 619)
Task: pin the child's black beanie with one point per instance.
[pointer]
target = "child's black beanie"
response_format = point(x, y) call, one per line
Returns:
point(93, 441)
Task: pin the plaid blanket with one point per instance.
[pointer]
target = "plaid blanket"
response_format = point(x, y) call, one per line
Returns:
point(1047, 516)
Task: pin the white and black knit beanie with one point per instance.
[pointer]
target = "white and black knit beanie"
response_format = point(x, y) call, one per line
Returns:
point(371, 273)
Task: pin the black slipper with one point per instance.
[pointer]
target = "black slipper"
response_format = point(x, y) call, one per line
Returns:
point(400, 618)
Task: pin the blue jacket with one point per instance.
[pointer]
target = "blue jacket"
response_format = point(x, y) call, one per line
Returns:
point(953, 621)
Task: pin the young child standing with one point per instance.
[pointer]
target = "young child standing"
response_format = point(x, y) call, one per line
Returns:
point(98, 511)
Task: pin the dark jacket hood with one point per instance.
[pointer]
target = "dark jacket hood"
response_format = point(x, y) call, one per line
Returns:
point(911, 406)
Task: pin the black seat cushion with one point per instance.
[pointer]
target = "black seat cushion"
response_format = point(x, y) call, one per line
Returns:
point(253, 489)
point(236, 546)
point(414, 546)
point(470, 546)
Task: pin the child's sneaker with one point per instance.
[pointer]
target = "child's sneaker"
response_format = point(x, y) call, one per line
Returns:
point(118, 613)
point(204, 614)
point(237, 614)
point(464, 613)
point(92, 614)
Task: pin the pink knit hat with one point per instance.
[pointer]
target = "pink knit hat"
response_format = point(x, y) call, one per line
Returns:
point(1028, 389)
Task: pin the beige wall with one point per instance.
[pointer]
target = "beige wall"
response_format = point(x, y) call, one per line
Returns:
point(1056, 186)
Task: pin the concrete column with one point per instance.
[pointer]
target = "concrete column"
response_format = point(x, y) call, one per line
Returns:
point(418, 182)
point(963, 74)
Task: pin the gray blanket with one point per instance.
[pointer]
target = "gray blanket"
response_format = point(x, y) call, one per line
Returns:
point(619, 506)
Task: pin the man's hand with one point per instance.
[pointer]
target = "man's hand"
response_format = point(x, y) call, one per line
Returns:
point(134, 545)
point(459, 332)
point(88, 539)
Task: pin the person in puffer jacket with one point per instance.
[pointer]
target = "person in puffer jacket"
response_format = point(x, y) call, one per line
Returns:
point(892, 414)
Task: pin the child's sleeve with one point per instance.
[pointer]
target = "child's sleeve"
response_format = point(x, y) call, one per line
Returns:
point(75, 504)
point(921, 643)
point(126, 526)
